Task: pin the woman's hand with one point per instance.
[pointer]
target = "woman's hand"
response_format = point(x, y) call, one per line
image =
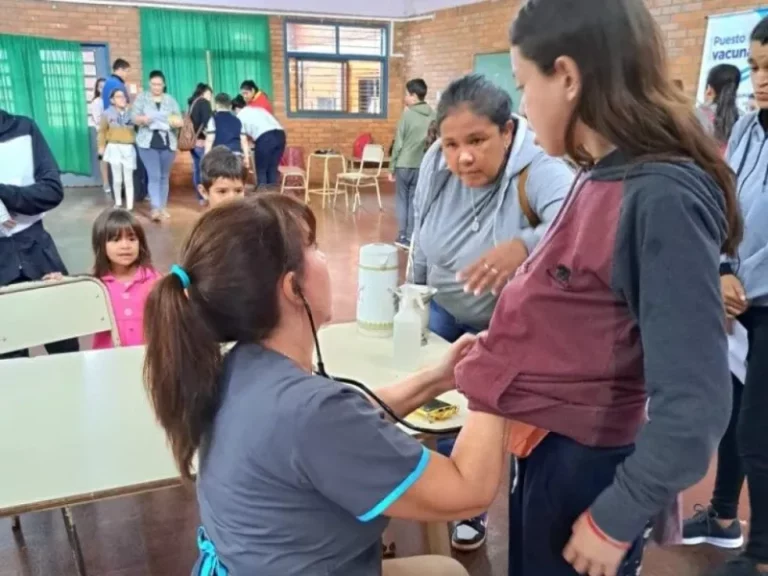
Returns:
point(141, 120)
point(495, 268)
point(591, 552)
point(444, 379)
point(175, 121)
point(53, 277)
point(734, 296)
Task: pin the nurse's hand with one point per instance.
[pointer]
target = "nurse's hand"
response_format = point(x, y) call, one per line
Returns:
point(494, 269)
point(591, 552)
point(444, 380)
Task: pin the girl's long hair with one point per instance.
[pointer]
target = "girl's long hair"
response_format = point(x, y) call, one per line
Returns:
point(724, 79)
point(235, 257)
point(627, 96)
point(96, 89)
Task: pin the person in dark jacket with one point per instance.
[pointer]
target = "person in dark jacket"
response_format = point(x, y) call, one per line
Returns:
point(225, 129)
point(30, 186)
point(200, 112)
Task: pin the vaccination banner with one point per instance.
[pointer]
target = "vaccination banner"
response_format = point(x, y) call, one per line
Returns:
point(727, 42)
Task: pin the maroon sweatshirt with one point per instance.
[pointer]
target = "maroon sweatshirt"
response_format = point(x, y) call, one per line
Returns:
point(620, 302)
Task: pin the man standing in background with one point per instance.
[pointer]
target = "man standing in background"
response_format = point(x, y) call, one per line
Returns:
point(407, 155)
point(116, 81)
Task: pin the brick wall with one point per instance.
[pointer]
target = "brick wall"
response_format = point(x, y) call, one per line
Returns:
point(437, 50)
point(442, 49)
point(116, 26)
point(119, 28)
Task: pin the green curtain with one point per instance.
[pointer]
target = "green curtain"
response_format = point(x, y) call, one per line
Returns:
point(182, 44)
point(43, 79)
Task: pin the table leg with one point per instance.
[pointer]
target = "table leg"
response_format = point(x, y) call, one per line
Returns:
point(326, 181)
point(74, 541)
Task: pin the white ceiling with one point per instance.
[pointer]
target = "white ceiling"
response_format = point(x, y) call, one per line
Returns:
point(393, 9)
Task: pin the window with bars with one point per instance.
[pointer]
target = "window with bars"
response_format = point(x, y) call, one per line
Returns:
point(335, 70)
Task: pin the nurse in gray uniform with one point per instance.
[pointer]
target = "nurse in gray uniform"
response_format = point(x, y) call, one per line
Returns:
point(297, 474)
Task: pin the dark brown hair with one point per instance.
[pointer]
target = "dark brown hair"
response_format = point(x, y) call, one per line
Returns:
point(235, 257)
point(111, 225)
point(627, 96)
point(221, 162)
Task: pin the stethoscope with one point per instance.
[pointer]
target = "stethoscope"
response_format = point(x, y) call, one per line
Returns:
point(320, 371)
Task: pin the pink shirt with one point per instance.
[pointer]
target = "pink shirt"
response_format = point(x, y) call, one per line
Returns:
point(127, 301)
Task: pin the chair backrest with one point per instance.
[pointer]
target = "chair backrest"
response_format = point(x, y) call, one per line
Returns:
point(36, 313)
point(360, 143)
point(373, 154)
point(294, 157)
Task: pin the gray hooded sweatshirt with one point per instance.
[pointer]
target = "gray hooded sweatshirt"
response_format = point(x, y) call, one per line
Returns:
point(748, 156)
point(444, 242)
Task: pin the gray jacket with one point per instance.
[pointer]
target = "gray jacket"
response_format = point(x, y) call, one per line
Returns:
point(144, 105)
point(748, 156)
point(444, 242)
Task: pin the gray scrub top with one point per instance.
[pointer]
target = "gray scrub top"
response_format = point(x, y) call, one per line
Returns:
point(296, 472)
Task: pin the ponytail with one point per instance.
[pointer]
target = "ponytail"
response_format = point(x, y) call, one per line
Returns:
point(181, 369)
point(724, 80)
point(726, 112)
point(226, 290)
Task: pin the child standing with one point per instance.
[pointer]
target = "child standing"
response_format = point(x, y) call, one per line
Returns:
point(221, 177)
point(225, 129)
point(124, 264)
point(408, 153)
point(116, 139)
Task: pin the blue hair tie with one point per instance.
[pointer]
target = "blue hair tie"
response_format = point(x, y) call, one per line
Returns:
point(182, 275)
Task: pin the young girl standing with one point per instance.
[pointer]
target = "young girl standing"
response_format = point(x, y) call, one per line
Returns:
point(620, 302)
point(116, 139)
point(124, 264)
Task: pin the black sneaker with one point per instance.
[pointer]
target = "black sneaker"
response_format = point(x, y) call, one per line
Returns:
point(403, 243)
point(703, 528)
point(468, 535)
point(739, 566)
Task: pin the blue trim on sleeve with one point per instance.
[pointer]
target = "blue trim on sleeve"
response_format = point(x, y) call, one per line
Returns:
point(401, 488)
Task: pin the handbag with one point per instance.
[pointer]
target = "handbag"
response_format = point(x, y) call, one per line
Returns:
point(188, 136)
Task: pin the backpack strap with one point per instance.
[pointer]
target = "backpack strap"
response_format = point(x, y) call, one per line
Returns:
point(525, 204)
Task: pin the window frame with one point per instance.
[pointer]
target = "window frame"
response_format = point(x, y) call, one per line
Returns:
point(339, 58)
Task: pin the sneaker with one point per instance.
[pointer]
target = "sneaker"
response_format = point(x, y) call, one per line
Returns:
point(468, 535)
point(739, 566)
point(165, 214)
point(703, 528)
point(403, 243)
point(156, 216)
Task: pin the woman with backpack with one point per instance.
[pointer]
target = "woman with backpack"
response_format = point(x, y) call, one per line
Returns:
point(200, 112)
point(485, 196)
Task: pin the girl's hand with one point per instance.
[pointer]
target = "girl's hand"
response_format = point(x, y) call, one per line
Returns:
point(53, 277)
point(734, 296)
point(591, 552)
point(175, 121)
point(444, 379)
point(494, 269)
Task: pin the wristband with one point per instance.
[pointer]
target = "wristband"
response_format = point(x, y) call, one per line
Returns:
point(602, 535)
point(726, 269)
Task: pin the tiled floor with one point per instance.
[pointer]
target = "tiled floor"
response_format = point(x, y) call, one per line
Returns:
point(154, 534)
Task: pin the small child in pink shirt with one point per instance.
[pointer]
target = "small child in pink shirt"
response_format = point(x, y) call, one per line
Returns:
point(123, 263)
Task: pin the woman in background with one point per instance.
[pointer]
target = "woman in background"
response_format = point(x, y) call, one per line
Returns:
point(719, 112)
point(95, 110)
point(486, 195)
point(200, 112)
point(158, 116)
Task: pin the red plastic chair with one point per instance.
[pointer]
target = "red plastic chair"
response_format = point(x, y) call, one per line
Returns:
point(292, 165)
